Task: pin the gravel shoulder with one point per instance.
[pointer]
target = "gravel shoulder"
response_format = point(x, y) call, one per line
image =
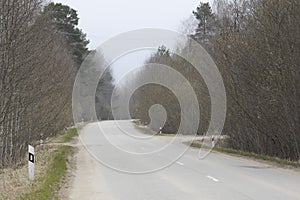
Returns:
point(84, 178)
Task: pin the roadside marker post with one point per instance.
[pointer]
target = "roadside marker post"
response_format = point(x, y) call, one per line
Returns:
point(213, 141)
point(41, 139)
point(31, 162)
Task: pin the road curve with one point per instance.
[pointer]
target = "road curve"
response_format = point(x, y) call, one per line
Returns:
point(114, 150)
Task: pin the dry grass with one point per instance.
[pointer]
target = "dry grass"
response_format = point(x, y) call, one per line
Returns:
point(50, 168)
point(47, 186)
point(65, 138)
point(15, 182)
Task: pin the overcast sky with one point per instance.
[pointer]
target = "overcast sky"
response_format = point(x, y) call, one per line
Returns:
point(102, 19)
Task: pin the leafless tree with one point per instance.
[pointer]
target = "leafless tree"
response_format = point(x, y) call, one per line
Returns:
point(36, 78)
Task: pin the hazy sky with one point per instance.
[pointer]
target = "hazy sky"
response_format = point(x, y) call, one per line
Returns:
point(102, 19)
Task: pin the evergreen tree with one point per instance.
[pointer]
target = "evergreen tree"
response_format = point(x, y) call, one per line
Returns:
point(206, 20)
point(65, 19)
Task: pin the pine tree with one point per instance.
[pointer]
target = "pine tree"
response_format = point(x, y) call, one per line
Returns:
point(206, 20)
point(65, 19)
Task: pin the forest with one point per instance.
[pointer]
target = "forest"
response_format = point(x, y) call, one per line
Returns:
point(255, 44)
point(41, 49)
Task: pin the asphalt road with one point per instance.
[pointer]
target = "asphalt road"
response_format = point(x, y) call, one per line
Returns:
point(125, 164)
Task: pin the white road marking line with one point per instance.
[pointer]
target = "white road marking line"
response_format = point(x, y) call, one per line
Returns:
point(180, 163)
point(212, 178)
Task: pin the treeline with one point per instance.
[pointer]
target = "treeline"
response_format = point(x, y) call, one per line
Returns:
point(255, 44)
point(38, 64)
point(152, 94)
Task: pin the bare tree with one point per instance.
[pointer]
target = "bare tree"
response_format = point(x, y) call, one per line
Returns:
point(36, 78)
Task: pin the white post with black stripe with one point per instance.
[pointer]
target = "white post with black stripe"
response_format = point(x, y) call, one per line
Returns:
point(31, 162)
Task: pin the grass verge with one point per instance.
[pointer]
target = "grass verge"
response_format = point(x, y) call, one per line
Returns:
point(145, 130)
point(195, 143)
point(46, 186)
point(71, 133)
point(148, 131)
point(65, 138)
point(198, 144)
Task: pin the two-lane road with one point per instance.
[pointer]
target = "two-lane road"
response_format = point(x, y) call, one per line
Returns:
point(124, 164)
